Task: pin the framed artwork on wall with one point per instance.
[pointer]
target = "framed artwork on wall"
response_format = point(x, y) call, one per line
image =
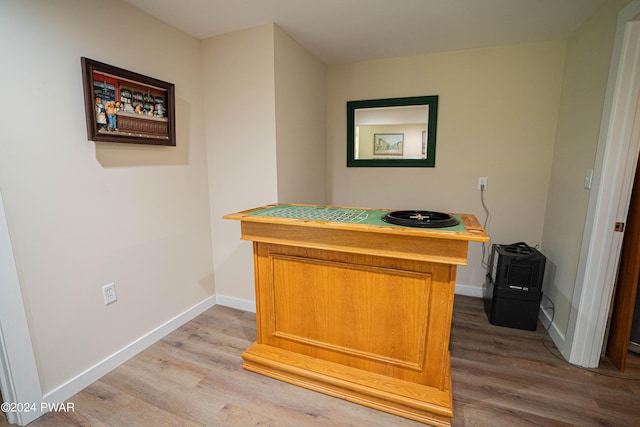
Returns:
point(388, 144)
point(124, 106)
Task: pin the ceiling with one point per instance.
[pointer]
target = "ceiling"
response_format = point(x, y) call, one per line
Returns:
point(343, 31)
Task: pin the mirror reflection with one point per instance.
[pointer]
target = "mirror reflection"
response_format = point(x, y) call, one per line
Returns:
point(392, 132)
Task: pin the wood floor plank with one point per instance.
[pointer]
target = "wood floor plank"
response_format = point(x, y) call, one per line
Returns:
point(143, 414)
point(174, 369)
point(101, 401)
point(501, 377)
point(232, 415)
point(191, 403)
point(486, 414)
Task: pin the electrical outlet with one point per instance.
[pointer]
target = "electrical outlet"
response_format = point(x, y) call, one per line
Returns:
point(482, 183)
point(109, 293)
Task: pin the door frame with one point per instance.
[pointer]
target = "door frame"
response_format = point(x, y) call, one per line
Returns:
point(19, 381)
point(626, 284)
point(614, 170)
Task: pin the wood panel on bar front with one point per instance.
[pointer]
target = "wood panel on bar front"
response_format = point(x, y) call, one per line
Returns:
point(359, 312)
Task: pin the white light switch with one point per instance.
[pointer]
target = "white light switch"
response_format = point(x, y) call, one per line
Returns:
point(588, 177)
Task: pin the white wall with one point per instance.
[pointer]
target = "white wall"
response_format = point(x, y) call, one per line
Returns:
point(239, 93)
point(497, 118)
point(585, 77)
point(19, 381)
point(265, 130)
point(300, 82)
point(81, 214)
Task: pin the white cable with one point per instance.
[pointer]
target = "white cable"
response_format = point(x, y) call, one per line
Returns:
point(484, 263)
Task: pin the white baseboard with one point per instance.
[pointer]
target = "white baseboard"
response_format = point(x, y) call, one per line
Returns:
point(94, 373)
point(470, 291)
point(552, 329)
point(240, 304)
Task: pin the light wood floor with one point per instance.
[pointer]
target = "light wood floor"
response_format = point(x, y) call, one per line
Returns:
point(501, 377)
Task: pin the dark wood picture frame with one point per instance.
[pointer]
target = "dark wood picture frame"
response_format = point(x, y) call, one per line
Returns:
point(124, 106)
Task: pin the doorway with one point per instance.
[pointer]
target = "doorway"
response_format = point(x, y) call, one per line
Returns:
point(614, 171)
point(627, 284)
point(19, 380)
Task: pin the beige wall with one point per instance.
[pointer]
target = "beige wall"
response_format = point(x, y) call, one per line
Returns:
point(583, 91)
point(497, 118)
point(238, 88)
point(300, 82)
point(265, 131)
point(82, 214)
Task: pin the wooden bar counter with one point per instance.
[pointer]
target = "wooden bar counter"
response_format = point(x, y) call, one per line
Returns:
point(357, 310)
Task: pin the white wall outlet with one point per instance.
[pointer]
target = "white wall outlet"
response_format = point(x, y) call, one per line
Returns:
point(482, 183)
point(109, 293)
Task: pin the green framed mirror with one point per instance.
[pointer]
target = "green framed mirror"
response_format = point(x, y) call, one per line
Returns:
point(393, 132)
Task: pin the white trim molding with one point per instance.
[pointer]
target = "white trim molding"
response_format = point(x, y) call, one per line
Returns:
point(468, 290)
point(240, 304)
